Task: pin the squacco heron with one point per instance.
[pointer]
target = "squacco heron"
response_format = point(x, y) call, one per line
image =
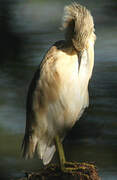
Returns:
point(58, 93)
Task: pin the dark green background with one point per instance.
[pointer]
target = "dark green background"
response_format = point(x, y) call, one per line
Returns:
point(27, 29)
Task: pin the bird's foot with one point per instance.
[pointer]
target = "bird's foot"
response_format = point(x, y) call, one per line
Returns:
point(71, 167)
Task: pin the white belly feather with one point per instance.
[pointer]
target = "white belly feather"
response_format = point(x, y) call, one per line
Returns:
point(73, 92)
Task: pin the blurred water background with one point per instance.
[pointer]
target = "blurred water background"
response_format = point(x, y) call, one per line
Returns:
point(27, 30)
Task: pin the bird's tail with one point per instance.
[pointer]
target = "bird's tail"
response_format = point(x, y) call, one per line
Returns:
point(44, 149)
point(78, 25)
point(29, 145)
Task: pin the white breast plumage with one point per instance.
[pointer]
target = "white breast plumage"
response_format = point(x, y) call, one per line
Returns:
point(74, 82)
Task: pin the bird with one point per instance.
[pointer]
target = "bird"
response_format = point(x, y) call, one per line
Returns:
point(58, 93)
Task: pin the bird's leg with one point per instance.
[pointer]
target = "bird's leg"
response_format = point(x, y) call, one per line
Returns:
point(61, 154)
point(65, 166)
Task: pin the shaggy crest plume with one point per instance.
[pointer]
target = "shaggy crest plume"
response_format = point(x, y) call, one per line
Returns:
point(78, 25)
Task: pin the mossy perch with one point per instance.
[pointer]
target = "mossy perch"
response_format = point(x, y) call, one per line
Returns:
point(83, 171)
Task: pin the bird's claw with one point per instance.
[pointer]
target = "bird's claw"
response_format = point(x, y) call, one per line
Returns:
point(69, 167)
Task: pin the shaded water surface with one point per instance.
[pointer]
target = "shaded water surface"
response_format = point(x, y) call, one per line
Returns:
point(28, 29)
